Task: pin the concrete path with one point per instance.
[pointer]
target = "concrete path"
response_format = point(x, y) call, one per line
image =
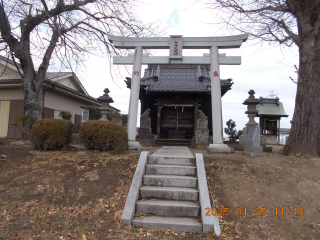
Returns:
point(173, 151)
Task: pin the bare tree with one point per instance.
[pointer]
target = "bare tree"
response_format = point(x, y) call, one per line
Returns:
point(287, 22)
point(36, 31)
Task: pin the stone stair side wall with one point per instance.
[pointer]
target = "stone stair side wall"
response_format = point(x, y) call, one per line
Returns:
point(133, 195)
point(208, 222)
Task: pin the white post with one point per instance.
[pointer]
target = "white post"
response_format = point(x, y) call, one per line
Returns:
point(134, 99)
point(217, 145)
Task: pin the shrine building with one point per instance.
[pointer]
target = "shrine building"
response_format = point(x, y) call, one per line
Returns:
point(174, 93)
point(270, 112)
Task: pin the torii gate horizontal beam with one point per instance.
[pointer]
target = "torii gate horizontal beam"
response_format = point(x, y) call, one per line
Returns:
point(223, 60)
point(188, 42)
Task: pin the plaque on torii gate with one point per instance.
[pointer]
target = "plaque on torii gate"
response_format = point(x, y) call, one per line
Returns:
point(176, 43)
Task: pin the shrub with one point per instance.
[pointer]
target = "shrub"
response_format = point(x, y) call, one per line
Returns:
point(103, 135)
point(51, 134)
point(94, 112)
point(65, 115)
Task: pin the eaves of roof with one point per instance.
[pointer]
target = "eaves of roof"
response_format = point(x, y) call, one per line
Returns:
point(271, 109)
point(59, 86)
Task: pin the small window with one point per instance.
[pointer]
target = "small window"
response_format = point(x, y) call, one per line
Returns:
point(85, 115)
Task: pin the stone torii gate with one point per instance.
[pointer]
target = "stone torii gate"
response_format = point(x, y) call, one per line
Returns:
point(176, 43)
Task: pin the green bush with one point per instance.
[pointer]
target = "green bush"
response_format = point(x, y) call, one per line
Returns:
point(94, 112)
point(103, 135)
point(51, 134)
point(65, 115)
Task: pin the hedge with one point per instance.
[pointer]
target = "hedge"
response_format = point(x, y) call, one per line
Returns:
point(51, 134)
point(103, 135)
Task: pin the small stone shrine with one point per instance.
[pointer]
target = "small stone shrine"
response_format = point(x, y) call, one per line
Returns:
point(145, 136)
point(252, 144)
point(202, 131)
point(105, 105)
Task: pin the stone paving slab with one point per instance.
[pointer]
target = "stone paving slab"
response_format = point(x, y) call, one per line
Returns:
point(173, 151)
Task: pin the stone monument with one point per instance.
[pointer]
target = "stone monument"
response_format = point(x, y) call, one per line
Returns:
point(116, 117)
point(145, 136)
point(105, 101)
point(202, 131)
point(252, 143)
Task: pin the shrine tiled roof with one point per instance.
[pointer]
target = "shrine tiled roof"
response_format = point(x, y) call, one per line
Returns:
point(271, 107)
point(179, 78)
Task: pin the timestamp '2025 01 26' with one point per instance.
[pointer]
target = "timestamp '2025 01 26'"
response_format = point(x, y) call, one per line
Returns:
point(258, 211)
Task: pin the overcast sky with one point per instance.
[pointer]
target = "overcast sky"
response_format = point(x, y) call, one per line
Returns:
point(263, 69)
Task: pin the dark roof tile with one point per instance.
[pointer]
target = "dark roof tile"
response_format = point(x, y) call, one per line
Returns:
point(178, 78)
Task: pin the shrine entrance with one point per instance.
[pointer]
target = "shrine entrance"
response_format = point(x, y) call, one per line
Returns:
point(177, 122)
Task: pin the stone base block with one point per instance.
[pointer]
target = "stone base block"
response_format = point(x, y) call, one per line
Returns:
point(145, 131)
point(134, 145)
point(219, 148)
point(265, 149)
point(146, 140)
point(201, 146)
point(253, 151)
point(254, 154)
point(258, 149)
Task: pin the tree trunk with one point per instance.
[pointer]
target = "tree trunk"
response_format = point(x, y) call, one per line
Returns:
point(304, 136)
point(33, 93)
point(31, 85)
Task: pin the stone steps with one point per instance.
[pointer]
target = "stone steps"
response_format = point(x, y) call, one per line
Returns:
point(166, 195)
point(167, 160)
point(176, 224)
point(169, 195)
point(168, 208)
point(174, 193)
point(169, 180)
point(170, 170)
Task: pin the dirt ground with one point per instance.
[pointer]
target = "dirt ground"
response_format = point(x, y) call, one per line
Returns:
point(78, 194)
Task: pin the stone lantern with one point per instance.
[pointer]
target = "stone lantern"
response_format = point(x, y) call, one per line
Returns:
point(105, 101)
point(252, 146)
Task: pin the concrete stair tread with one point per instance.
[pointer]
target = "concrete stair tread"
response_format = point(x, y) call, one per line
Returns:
point(169, 176)
point(177, 189)
point(173, 208)
point(171, 169)
point(171, 160)
point(177, 224)
point(169, 166)
point(170, 180)
point(173, 151)
point(170, 156)
point(165, 202)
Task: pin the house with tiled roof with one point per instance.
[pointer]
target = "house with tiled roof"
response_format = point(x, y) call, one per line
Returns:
point(61, 91)
point(174, 93)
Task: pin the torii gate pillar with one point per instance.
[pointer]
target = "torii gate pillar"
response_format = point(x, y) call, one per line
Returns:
point(134, 99)
point(218, 145)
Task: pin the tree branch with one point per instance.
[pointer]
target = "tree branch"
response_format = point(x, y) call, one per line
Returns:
point(296, 38)
point(48, 53)
point(28, 24)
point(45, 5)
point(5, 30)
